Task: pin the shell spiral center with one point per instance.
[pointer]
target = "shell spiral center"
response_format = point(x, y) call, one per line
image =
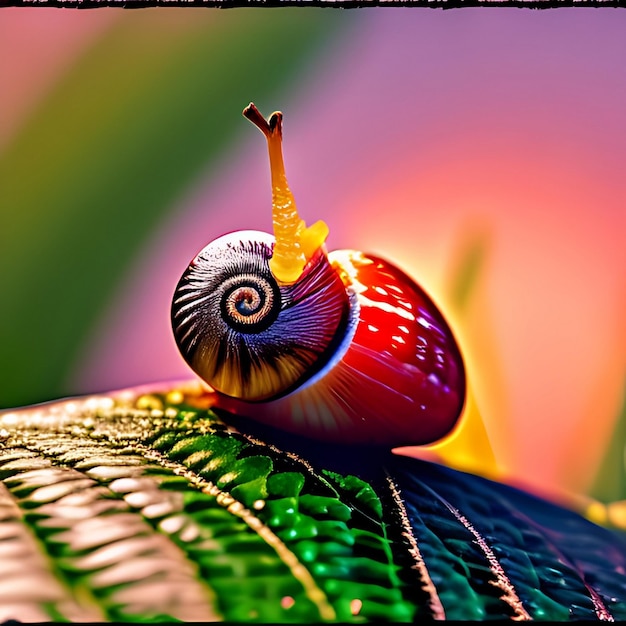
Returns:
point(250, 303)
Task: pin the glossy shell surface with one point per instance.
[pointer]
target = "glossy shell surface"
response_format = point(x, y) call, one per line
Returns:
point(246, 335)
point(397, 377)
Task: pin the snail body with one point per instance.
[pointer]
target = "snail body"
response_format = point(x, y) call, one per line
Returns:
point(344, 348)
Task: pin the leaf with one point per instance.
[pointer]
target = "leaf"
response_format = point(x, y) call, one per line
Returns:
point(133, 514)
point(518, 554)
point(139, 507)
point(610, 480)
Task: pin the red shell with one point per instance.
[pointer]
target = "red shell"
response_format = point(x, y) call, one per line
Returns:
point(397, 379)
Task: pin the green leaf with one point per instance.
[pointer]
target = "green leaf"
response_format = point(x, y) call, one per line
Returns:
point(469, 267)
point(610, 480)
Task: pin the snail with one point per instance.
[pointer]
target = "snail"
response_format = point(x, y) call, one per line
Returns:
point(342, 347)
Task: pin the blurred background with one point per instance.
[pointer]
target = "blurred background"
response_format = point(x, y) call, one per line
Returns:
point(482, 150)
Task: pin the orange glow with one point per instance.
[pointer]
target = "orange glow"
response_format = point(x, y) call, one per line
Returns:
point(543, 335)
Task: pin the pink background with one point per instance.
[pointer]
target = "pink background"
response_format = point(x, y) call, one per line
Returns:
point(417, 132)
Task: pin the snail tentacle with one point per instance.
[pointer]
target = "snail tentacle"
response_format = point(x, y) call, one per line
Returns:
point(295, 243)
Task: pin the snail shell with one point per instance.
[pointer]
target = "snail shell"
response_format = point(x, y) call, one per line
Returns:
point(353, 352)
point(343, 347)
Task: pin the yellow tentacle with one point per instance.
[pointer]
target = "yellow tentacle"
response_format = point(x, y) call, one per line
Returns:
point(295, 243)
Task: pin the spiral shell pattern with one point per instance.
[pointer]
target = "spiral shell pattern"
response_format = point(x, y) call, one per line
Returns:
point(397, 377)
point(246, 335)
